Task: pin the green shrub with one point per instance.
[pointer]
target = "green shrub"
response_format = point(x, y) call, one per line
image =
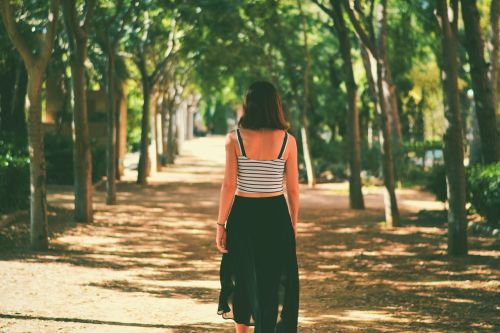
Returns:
point(436, 182)
point(483, 184)
point(413, 174)
point(14, 169)
point(483, 188)
point(371, 158)
point(14, 179)
point(59, 160)
point(329, 157)
point(98, 163)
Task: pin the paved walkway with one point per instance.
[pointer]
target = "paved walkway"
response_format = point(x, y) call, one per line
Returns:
point(149, 263)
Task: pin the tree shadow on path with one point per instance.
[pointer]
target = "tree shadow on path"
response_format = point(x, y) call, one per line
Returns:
point(158, 243)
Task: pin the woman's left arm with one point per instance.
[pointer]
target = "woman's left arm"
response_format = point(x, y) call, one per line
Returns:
point(229, 184)
point(226, 193)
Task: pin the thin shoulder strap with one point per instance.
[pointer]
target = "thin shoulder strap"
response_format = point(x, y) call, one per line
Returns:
point(240, 142)
point(283, 146)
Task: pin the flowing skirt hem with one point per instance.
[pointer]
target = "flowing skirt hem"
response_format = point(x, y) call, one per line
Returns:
point(260, 270)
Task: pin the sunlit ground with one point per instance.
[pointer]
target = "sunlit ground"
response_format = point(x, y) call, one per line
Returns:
point(149, 264)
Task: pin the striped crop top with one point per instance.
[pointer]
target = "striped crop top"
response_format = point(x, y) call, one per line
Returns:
point(264, 176)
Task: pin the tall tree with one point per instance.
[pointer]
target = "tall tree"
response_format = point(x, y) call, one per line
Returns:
point(142, 43)
point(304, 129)
point(353, 136)
point(35, 61)
point(453, 137)
point(372, 87)
point(111, 29)
point(177, 78)
point(389, 88)
point(482, 86)
point(82, 158)
point(366, 34)
point(164, 107)
point(12, 91)
point(286, 46)
point(493, 46)
point(387, 81)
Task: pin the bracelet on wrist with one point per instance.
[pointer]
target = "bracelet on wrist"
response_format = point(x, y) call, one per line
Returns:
point(221, 224)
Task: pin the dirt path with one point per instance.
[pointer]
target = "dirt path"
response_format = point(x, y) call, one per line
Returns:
point(149, 264)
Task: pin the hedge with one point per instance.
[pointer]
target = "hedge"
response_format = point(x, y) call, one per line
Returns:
point(482, 186)
point(14, 181)
point(14, 169)
point(483, 183)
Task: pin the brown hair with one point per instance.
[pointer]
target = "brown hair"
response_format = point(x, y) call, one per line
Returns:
point(262, 108)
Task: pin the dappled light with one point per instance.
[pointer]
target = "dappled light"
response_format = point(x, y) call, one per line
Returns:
point(151, 260)
point(182, 166)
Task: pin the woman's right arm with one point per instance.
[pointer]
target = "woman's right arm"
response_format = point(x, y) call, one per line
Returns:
point(292, 181)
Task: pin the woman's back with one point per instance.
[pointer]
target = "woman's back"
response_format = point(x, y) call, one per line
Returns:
point(267, 145)
point(260, 175)
point(263, 144)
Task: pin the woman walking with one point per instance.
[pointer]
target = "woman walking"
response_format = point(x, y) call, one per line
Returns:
point(257, 227)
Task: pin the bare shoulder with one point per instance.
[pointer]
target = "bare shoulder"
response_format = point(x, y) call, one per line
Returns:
point(231, 137)
point(291, 139)
point(291, 147)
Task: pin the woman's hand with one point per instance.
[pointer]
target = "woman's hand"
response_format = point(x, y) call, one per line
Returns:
point(294, 230)
point(220, 240)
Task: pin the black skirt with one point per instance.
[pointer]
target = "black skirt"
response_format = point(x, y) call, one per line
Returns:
point(259, 274)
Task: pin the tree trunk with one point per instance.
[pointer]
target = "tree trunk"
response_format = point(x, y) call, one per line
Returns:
point(475, 141)
point(453, 137)
point(367, 64)
point(493, 73)
point(389, 92)
point(353, 137)
point(170, 134)
point(35, 64)
point(143, 171)
point(365, 56)
point(189, 118)
point(304, 134)
point(15, 119)
point(372, 88)
point(82, 157)
point(393, 103)
point(111, 129)
point(390, 201)
point(38, 193)
point(155, 127)
point(164, 129)
point(483, 96)
point(387, 122)
point(376, 50)
point(389, 87)
point(119, 127)
point(176, 138)
point(304, 131)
